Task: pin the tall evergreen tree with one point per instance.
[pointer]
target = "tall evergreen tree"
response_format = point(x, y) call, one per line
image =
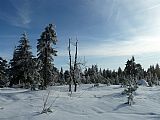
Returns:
point(61, 76)
point(157, 70)
point(67, 76)
point(46, 52)
point(22, 64)
point(130, 70)
point(139, 71)
point(130, 67)
point(14, 70)
point(120, 72)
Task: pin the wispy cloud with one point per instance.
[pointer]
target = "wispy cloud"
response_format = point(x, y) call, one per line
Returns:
point(151, 7)
point(19, 14)
point(132, 46)
point(23, 11)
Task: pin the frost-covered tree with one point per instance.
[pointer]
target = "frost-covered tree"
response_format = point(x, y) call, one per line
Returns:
point(130, 69)
point(67, 77)
point(157, 70)
point(3, 71)
point(22, 64)
point(139, 71)
point(129, 92)
point(14, 68)
point(156, 80)
point(61, 77)
point(131, 73)
point(153, 74)
point(45, 54)
point(149, 78)
point(120, 72)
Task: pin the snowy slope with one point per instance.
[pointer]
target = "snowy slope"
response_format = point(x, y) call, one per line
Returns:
point(89, 103)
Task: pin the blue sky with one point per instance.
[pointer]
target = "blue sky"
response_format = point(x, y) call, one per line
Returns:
point(109, 31)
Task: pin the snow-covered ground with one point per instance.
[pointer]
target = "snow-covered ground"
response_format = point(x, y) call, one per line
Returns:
point(89, 103)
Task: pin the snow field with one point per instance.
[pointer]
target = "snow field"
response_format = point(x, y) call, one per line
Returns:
point(88, 103)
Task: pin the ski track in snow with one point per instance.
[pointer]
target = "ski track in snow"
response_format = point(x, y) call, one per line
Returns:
point(88, 103)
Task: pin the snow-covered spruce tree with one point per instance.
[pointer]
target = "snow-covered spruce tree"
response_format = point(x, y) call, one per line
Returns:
point(14, 68)
point(3, 72)
point(156, 80)
point(150, 78)
point(157, 70)
point(45, 54)
point(93, 74)
point(86, 79)
point(55, 76)
point(131, 72)
point(67, 77)
point(129, 92)
point(22, 63)
point(36, 79)
point(61, 77)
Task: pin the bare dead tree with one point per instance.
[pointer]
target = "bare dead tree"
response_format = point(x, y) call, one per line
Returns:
point(70, 66)
point(75, 65)
point(72, 69)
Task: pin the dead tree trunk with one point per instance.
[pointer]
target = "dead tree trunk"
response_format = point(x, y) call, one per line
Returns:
point(74, 69)
point(70, 65)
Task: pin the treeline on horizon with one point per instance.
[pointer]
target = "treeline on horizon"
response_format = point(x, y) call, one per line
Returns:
point(26, 71)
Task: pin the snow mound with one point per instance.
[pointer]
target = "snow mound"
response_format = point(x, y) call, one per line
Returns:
point(142, 82)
